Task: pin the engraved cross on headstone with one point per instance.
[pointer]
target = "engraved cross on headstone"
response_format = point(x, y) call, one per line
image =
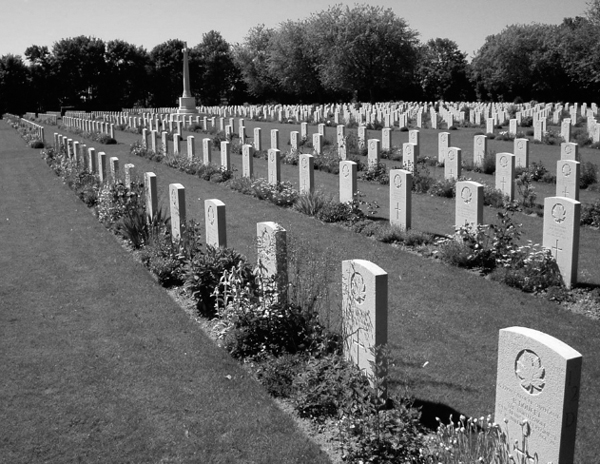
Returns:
point(565, 191)
point(398, 210)
point(556, 249)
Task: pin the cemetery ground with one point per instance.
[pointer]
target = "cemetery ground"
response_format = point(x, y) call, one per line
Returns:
point(443, 322)
point(97, 363)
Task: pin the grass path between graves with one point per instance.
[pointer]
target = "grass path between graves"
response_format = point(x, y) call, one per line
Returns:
point(443, 321)
point(97, 363)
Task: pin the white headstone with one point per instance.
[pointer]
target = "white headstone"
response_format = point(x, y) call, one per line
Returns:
point(191, 147)
point(569, 151)
point(479, 149)
point(443, 145)
point(306, 165)
point(453, 163)
point(257, 141)
point(347, 181)
point(537, 395)
point(275, 139)
point(469, 203)
point(215, 225)
point(374, 153)
point(505, 174)
point(206, 151)
point(410, 155)
point(364, 312)
point(400, 198)
point(567, 179)
point(247, 161)
point(225, 156)
point(151, 192)
point(274, 166)
point(561, 235)
point(521, 148)
point(177, 209)
point(272, 255)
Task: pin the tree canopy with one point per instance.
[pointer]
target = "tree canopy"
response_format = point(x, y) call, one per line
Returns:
point(362, 53)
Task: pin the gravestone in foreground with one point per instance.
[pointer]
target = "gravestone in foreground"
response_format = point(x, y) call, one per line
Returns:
point(272, 255)
point(561, 235)
point(400, 198)
point(521, 149)
point(347, 179)
point(443, 144)
point(215, 226)
point(479, 149)
point(247, 160)
point(469, 203)
point(410, 154)
point(151, 192)
point(306, 165)
point(177, 209)
point(274, 166)
point(537, 395)
point(364, 312)
point(373, 153)
point(505, 174)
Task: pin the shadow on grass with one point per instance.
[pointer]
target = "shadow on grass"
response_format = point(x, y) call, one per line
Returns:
point(431, 411)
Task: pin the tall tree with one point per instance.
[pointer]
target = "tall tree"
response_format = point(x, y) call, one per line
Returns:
point(14, 88)
point(127, 82)
point(293, 63)
point(592, 13)
point(442, 71)
point(252, 59)
point(218, 74)
point(366, 51)
point(81, 70)
point(42, 72)
point(167, 72)
point(521, 61)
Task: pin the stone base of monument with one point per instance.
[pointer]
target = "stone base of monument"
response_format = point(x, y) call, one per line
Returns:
point(187, 105)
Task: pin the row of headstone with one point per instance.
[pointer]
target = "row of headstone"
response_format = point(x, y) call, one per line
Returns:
point(537, 382)
point(538, 376)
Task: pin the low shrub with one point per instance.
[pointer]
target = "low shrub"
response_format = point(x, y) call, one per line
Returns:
point(202, 274)
point(325, 386)
point(311, 203)
point(590, 214)
point(552, 138)
point(489, 164)
point(376, 173)
point(588, 174)
point(445, 188)
point(531, 268)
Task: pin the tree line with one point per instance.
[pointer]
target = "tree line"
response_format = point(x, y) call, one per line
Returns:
point(360, 53)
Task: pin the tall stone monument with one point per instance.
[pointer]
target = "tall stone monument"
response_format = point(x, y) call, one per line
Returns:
point(187, 103)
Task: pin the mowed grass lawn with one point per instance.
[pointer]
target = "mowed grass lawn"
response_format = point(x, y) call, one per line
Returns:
point(443, 322)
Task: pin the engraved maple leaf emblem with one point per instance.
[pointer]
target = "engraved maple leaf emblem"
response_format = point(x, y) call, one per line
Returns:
point(530, 372)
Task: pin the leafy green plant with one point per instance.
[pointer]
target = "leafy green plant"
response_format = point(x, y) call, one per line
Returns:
point(445, 188)
point(325, 386)
point(529, 268)
point(377, 173)
point(311, 203)
point(203, 271)
point(135, 226)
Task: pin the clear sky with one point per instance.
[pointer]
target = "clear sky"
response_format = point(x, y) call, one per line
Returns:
point(151, 22)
